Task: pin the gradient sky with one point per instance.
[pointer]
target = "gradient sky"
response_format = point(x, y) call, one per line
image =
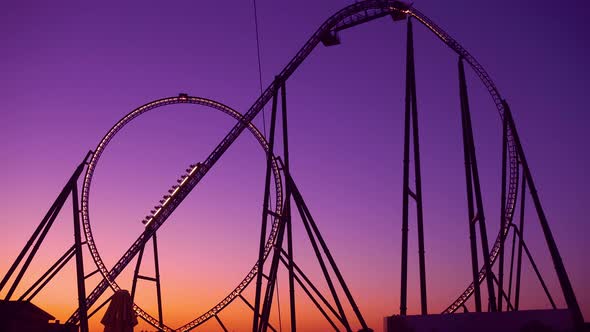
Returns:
point(71, 70)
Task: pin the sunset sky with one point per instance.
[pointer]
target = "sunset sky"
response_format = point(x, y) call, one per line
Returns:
point(69, 71)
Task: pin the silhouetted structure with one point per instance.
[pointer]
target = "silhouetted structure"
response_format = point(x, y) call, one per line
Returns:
point(20, 316)
point(276, 224)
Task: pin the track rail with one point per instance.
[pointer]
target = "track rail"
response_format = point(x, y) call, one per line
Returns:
point(360, 13)
point(170, 201)
point(513, 177)
point(350, 16)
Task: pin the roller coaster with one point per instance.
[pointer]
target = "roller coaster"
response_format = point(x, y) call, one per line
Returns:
point(515, 171)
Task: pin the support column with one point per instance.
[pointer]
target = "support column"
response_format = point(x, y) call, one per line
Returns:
point(155, 279)
point(502, 214)
point(40, 232)
point(42, 229)
point(418, 188)
point(157, 272)
point(79, 261)
point(406, 174)
point(136, 273)
point(480, 210)
point(309, 221)
point(411, 116)
point(260, 263)
point(48, 275)
point(221, 323)
point(520, 244)
point(469, 185)
point(283, 224)
point(566, 286)
point(287, 210)
point(38, 237)
point(511, 279)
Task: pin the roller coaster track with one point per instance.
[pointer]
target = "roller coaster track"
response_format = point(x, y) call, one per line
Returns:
point(348, 17)
point(513, 174)
point(165, 208)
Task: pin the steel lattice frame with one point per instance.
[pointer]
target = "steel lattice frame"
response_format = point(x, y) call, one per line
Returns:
point(109, 276)
point(350, 16)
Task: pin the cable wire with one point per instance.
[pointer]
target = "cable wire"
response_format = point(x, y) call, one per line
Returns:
point(259, 64)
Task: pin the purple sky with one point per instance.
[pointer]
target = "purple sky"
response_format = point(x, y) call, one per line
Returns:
point(70, 71)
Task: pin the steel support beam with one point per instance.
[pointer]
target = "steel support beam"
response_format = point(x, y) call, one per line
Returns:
point(535, 268)
point(155, 279)
point(100, 307)
point(37, 238)
point(304, 219)
point(502, 215)
point(272, 278)
point(91, 274)
point(316, 291)
point(260, 262)
point(55, 272)
point(406, 176)
point(136, 273)
point(311, 297)
point(520, 244)
point(287, 209)
point(302, 206)
point(261, 324)
point(418, 182)
point(411, 125)
point(470, 204)
point(79, 261)
point(49, 274)
point(511, 265)
point(473, 169)
point(252, 307)
point(158, 288)
point(44, 228)
point(503, 294)
point(40, 232)
point(221, 323)
point(564, 281)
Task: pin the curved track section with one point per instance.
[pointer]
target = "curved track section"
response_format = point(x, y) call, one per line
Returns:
point(513, 173)
point(110, 276)
point(348, 17)
point(363, 12)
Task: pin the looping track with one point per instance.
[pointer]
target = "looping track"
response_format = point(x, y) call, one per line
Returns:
point(110, 276)
point(348, 17)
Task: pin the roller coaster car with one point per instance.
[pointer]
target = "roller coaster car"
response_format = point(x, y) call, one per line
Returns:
point(330, 38)
point(183, 96)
